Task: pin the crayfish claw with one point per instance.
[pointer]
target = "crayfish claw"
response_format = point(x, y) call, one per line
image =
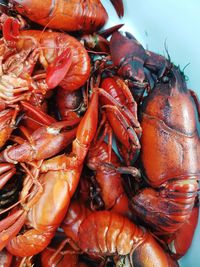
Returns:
point(129, 56)
point(119, 7)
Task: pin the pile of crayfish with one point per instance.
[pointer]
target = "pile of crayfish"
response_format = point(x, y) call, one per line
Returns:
point(99, 147)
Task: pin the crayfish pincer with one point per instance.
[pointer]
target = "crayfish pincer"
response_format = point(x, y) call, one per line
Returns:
point(134, 62)
point(170, 146)
point(44, 210)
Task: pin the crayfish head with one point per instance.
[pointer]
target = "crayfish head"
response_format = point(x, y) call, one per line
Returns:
point(29, 8)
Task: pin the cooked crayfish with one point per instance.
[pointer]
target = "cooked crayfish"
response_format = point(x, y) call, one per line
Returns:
point(85, 16)
point(169, 155)
point(44, 210)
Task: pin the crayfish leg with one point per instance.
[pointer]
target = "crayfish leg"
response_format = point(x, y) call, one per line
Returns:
point(35, 116)
point(84, 136)
point(131, 132)
point(10, 226)
point(7, 170)
point(7, 118)
point(130, 109)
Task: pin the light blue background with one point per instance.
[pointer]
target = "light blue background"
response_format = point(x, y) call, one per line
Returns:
point(178, 23)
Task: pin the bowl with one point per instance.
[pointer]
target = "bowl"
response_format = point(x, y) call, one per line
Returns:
point(175, 23)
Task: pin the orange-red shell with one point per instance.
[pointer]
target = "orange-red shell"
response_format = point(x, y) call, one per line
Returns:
point(51, 45)
point(76, 15)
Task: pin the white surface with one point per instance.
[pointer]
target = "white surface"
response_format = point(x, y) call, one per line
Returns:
point(177, 22)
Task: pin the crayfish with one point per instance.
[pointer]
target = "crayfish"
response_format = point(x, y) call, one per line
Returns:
point(99, 146)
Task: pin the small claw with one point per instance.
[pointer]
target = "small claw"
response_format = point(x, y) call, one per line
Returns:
point(10, 29)
point(87, 128)
point(129, 56)
point(10, 226)
point(119, 7)
point(7, 170)
point(44, 143)
point(59, 68)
